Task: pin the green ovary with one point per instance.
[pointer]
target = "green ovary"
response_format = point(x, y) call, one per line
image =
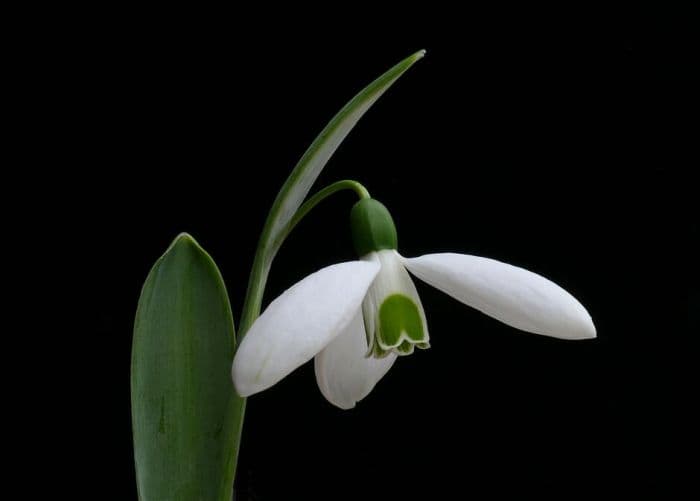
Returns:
point(400, 325)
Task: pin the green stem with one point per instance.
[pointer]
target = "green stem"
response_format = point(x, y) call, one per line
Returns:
point(346, 184)
point(258, 275)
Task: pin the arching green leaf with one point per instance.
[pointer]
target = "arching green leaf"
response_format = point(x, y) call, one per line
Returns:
point(317, 155)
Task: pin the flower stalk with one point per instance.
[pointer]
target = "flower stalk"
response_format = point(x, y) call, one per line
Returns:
point(287, 209)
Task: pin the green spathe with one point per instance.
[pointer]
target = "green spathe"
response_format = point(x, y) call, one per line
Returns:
point(372, 227)
point(186, 414)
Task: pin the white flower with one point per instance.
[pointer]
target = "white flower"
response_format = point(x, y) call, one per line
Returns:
point(322, 315)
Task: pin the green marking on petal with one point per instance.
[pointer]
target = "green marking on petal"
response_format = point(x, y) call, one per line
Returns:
point(379, 352)
point(405, 348)
point(399, 320)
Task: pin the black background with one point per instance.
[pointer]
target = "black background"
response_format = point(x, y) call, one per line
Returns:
point(556, 144)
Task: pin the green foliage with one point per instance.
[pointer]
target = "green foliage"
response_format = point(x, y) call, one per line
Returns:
point(186, 414)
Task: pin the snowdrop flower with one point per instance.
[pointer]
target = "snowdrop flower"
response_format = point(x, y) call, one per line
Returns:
point(357, 317)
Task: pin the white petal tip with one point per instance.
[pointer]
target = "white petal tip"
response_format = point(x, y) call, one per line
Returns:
point(344, 374)
point(242, 388)
point(583, 329)
point(589, 331)
point(244, 393)
point(344, 405)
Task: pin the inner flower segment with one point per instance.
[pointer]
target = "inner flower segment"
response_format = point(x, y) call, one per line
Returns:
point(393, 314)
point(400, 325)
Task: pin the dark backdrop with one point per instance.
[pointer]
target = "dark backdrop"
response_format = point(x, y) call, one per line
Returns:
point(555, 146)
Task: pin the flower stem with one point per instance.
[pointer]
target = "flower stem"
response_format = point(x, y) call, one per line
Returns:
point(261, 269)
point(261, 266)
point(346, 184)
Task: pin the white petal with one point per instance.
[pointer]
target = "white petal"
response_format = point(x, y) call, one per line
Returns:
point(510, 294)
point(299, 324)
point(344, 375)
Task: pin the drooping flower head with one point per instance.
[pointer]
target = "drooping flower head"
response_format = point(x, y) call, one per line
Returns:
point(356, 318)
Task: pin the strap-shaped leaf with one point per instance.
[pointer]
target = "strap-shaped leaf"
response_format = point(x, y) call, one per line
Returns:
point(309, 167)
point(186, 414)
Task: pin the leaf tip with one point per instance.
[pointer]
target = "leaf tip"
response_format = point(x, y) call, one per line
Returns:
point(181, 242)
point(184, 238)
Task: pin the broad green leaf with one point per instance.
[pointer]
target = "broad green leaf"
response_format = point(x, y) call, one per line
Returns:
point(317, 155)
point(186, 414)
